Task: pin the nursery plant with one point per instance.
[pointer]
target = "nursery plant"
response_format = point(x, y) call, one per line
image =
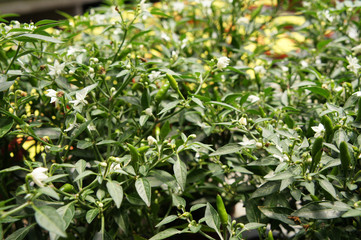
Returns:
point(164, 120)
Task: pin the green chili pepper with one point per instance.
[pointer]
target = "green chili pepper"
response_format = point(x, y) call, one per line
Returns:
point(134, 155)
point(173, 83)
point(327, 123)
point(358, 117)
point(222, 210)
point(143, 149)
point(309, 131)
point(345, 157)
point(316, 152)
point(68, 188)
point(162, 92)
point(270, 235)
point(315, 198)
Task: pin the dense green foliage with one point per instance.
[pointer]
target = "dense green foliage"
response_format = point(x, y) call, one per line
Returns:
point(154, 121)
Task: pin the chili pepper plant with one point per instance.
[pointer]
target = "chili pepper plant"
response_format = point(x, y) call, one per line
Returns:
point(181, 120)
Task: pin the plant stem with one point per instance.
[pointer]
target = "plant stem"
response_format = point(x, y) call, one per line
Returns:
point(24, 205)
point(13, 59)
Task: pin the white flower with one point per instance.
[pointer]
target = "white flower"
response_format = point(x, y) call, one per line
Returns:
point(243, 20)
point(246, 141)
point(151, 140)
point(57, 69)
point(71, 126)
point(357, 49)
point(243, 121)
point(319, 130)
point(154, 75)
point(358, 94)
point(80, 101)
point(259, 69)
point(338, 89)
point(164, 36)
point(352, 32)
point(253, 98)
point(174, 55)
point(178, 6)
point(353, 64)
point(148, 111)
point(53, 95)
point(38, 175)
point(281, 158)
point(304, 64)
point(328, 16)
point(223, 62)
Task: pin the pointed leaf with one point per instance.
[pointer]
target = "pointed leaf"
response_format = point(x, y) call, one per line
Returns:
point(49, 219)
point(166, 220)
point(165, 234)
point(116, 192)
point(328, 187)
point(20, 233)
point(143, 188)
point(212, 219)
point(91, 214)
point(227, 149)
point(180, 173)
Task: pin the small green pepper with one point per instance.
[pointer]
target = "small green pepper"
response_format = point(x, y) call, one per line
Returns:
point(327, 123)
point(173, 83)
point(134, 156)
point(68, 188)
point(162, 92)
point(222, 210)
point(358, 117)
point(345, 157)
point(316, 152)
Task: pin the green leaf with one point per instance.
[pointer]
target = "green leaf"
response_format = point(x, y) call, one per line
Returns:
point(328, 187)
point(91, 214)
point(165, 234)
point(180, 173)
point(251, 226)
point(319, 90)
point(20, 233)
point(49, 219)
point(13, 168)
point(266, 189)
point(227, 149)
point(280, 176)
point(6, 85)
point(67, 212)
point(212, 219)
point(315, 210)
point(352, 213)
point(50, 192)
point(178, 201)
point(278, 213)
point(166, 220)
point(30, 37)
point(143, 188)
point(225, 105)
point(323, 43)
point(83, 175)
point(164, 130)
point(116, 192)
point(6, 123)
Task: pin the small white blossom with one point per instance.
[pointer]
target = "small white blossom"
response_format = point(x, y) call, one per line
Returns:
point(352, 32)
point(353, 64)
point(253, 98)
point(38, 175)
point(222, 62)
point(164, 36)
point(178, 6)
point(80, 101)
point(304, 64)
point(154, 75)
point(357, 49)
point(319, 130)
point(174, 55)
point(246, 141)
point(259, 69)
point(151, 140)
point(357, 94)
point(57, 69)
point(243, 121)
point(338, 89)
point(328, 16)
point(148, 111)
point(53, 95)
